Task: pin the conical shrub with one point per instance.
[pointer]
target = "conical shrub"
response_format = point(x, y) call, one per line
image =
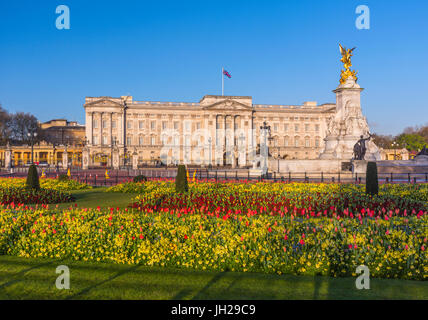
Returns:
point(372, 182)
point(181, 185)
point(33, 178)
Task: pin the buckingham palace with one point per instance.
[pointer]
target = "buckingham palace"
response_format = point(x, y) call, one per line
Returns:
point(217, 130)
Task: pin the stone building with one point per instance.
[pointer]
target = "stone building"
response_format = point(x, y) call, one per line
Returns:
point(219, 130)
point(63, 132)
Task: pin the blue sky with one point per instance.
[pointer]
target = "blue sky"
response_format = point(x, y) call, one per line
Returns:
point(279, 52)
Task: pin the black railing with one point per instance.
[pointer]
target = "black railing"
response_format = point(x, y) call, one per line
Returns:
point(97, 177)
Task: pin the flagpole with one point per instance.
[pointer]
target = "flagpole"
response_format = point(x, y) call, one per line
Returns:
point(222, 81)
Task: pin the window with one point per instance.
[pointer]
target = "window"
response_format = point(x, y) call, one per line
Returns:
point(140, 141)
point(113, 124)
point(275, 127)
point(198, 125)
point(176, 124)
point(317, 128)
point(285, 127)
point(153, 125)
point(128, 141)
point(164, 139)
point(286, 142)
point(96, 140)
point(105, 140)
point(307, 143)
point(307, 127)
point(176, 140)
point(164, 125)
point(129, 124)
point(296, 141)
point(104, 123)
point(187, 126)
point(152, 140)
point(96, 124)
point(317, 142)
point(141, 124)
point(296, 128)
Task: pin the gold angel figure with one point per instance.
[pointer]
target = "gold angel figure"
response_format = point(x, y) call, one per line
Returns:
point(346, 60)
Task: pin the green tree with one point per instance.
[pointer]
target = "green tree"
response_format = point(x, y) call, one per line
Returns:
point(411, 141)
point(33, 178)
point(181, 184)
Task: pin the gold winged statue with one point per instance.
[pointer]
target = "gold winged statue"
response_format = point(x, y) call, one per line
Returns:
point(346, 60)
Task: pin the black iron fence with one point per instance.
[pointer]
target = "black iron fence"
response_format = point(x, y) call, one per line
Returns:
point(98, 177)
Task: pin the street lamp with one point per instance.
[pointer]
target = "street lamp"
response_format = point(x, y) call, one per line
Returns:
point(32, 135)
point(394, 146)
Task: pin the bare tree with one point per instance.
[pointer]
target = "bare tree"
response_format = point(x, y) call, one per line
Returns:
point(5, 131)
point(22, 124)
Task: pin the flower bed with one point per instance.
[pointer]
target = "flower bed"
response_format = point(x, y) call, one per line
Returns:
point(308, 200)
point(18, 195)
point(393, 248)
point(45, 183)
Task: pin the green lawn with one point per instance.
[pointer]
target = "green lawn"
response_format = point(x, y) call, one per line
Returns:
point(22, 278)
point(92, 198)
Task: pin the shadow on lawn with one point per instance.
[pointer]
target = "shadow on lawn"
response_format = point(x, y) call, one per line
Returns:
point(86, 290)
point(201, 293)
point(20, 275)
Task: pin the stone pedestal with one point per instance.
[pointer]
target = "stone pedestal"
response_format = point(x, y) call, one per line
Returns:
point(8, 158)
point(347, 126)
point(359, 166)
point(256, 172)
point(65, 159)
point(135, 161)
point(115, 159)
point(85, 158)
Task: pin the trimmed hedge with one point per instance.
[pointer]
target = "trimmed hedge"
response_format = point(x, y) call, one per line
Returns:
point(33, 178)
point(181, 184)
point(372, 182)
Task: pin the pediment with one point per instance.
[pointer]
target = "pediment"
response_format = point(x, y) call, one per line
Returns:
point(228, 105)
point(103, 102)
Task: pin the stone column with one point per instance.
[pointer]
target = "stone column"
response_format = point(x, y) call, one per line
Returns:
point(8, 157)
point(65, 159)
point(101, 129)
point(115, 158)
point(92, 129)
point(135, 160)
point(85, 158)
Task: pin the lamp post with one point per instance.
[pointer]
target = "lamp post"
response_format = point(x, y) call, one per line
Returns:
point(264, 148)
point(32, 135)
point(394, 146)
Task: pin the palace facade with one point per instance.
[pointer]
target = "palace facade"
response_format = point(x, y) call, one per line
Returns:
point(218, 130)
